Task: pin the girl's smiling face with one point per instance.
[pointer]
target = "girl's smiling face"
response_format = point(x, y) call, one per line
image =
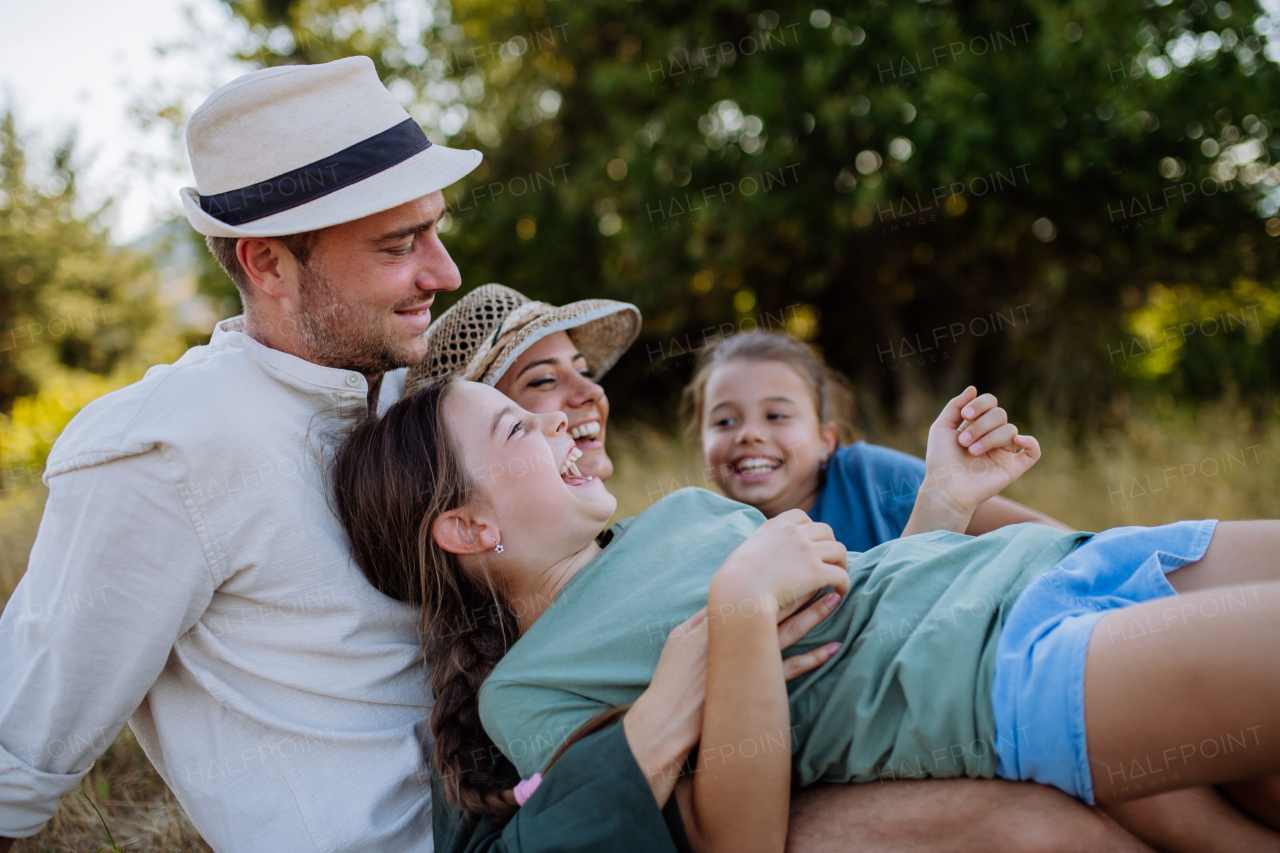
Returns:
point(535, 500)
point(552, 376)
point(762, 437)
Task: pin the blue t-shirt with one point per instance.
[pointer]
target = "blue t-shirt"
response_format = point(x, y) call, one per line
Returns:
point(867, 494)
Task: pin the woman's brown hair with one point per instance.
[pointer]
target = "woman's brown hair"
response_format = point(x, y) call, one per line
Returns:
point(392, 479)
point(832, 393)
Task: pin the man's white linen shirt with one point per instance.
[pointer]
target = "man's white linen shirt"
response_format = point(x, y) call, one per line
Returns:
point(189, 571)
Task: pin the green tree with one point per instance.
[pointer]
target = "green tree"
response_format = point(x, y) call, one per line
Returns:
point(897, 180)
point(70, 302)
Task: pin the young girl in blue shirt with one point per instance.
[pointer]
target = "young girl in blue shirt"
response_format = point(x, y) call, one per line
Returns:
point(769, 413)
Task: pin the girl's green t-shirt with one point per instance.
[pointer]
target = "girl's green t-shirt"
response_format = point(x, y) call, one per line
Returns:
point(908, 694)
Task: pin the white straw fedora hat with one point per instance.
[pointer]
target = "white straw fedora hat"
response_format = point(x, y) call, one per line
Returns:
point(301, 147)
point(486, 331)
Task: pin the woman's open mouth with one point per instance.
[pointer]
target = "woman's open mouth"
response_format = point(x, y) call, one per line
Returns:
point(755, 469)
point(569, 469)
point(586, 436)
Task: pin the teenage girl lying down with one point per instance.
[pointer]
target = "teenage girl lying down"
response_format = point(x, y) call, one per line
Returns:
point(1028, 652)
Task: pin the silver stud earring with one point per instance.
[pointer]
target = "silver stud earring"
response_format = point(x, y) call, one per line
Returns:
point(498, 548)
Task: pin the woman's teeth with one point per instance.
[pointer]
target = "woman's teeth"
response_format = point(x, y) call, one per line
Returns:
point(586, 430)
point(757, 465)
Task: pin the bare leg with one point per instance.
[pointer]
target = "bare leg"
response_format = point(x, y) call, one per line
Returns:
point(1259, 797)
point(950, 816)
point(1195, 820)
point(1241, 552)
point(1199, 707)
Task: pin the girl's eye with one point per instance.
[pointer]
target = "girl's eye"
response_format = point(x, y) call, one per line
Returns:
point(516, 427)
point(541, 381)
point(724, 422)
point(778, 416)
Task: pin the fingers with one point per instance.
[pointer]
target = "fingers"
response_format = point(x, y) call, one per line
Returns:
point(794, 667)
point(833, 553)
point(796, 626)
point(986, 419)
point(951, 415)
point(835, 577)
point(694, 621)
point(791, 516)
point(978, 406)
point(1000, 437)
point(1030, 450)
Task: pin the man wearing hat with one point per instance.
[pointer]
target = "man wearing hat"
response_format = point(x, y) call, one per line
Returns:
point(188, 576)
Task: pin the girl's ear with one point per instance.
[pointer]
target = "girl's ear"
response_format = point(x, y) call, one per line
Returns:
point(830, 434)
point(459, 532)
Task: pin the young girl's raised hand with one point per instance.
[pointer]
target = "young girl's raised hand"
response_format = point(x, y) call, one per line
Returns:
point(964, 467)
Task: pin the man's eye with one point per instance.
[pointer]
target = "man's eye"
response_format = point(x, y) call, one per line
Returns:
point(401, 251)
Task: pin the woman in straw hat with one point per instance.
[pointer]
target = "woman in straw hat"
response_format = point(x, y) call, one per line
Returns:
point(548, 358)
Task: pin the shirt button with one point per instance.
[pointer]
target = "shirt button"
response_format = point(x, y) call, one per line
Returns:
point(353, 380)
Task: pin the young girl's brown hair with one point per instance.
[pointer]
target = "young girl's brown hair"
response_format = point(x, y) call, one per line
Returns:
point(391, 479)
point(832, 393)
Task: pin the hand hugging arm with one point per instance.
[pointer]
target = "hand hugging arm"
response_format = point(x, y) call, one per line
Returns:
point(740, 800)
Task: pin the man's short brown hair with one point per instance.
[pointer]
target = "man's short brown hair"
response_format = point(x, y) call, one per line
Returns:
point(223, 250)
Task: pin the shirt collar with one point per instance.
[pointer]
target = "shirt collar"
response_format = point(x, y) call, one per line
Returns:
point(230, 332)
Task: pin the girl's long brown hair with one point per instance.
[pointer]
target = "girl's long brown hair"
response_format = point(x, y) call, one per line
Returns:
point(392, 479)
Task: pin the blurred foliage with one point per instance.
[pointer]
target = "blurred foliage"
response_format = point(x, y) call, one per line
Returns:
point(842, 164)
point(78, 316)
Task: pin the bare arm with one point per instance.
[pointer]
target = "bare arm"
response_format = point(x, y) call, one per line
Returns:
point(741, 794)
point(665, 723)
point(741, 803)
point(998, 512)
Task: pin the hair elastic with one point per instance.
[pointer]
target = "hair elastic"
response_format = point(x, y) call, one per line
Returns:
point(525, 788)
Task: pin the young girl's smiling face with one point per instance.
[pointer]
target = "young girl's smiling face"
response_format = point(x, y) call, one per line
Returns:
point(535, 501)
point(762, 437)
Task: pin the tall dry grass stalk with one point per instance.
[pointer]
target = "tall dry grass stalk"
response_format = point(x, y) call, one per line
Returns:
point(1216, 463)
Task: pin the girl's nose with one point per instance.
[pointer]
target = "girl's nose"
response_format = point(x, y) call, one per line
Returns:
point(554, 423)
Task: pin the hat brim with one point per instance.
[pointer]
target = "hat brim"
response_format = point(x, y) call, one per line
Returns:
point(602, 331)
point(422, 174)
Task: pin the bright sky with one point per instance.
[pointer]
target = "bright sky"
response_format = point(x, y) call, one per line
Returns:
point(81, 64)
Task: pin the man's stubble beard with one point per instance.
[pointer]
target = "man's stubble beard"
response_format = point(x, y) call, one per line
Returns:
point(337, 334)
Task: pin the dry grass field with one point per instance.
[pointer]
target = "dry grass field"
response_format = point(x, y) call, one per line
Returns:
point(1158, 469)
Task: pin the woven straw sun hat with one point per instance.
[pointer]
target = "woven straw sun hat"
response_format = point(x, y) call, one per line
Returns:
point(486, 331)
point(301, 147)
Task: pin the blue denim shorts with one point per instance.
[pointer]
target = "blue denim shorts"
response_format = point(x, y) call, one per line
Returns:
point(1038, 691)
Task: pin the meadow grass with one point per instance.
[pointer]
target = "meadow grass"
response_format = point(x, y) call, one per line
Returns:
point(1215, 463)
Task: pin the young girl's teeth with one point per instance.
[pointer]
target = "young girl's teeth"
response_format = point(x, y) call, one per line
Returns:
point(756, 466)
point(574, 455)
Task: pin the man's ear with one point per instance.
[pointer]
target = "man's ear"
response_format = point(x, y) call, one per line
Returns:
point(267, 262)
point(459, 532)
